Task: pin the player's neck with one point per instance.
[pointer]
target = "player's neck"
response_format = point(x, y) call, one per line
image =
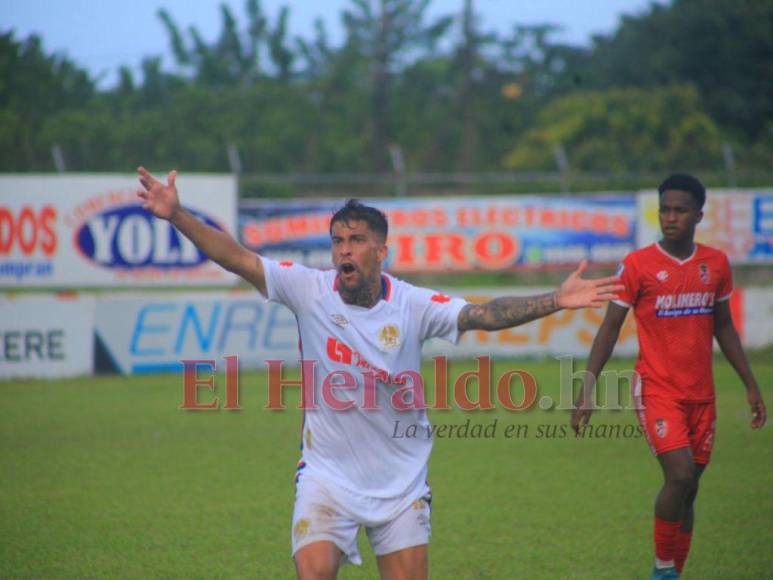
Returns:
point(680, 249)
point(366, 296)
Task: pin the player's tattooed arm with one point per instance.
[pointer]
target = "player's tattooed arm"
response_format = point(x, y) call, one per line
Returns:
point(575, 292)
point(507, 312)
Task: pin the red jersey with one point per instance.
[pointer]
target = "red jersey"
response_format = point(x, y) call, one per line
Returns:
point(673, 301)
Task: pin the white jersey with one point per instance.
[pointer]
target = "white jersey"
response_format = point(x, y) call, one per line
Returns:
point(356, 449)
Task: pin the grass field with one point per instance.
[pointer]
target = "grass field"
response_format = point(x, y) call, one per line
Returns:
point(106, 477)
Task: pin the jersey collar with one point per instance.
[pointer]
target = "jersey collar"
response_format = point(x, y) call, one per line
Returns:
point(386, 287)
point(674, 258)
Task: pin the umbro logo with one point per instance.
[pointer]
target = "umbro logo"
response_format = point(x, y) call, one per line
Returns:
point(339, 320)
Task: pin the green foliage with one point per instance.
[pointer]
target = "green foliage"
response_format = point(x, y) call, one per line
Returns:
point(33, 87)
point(661, 93)
point(724, 47)
point(384, 31)
point(622, 129)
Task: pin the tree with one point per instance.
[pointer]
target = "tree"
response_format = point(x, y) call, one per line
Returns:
point(724, 47)
point(386, 31)
point(622, 130)
point(34, 86)
point(235, 58)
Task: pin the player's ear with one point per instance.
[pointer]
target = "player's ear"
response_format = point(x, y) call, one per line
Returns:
point(699, 217)
point(383, 252)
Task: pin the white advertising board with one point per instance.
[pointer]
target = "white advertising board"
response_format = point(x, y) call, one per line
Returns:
point(90, 230)
point(758, 317)
point(154, 332)
point(46, 336)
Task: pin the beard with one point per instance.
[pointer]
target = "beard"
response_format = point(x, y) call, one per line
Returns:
point(360, 291)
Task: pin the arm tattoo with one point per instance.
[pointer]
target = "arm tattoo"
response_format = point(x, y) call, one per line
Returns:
point(507, 312)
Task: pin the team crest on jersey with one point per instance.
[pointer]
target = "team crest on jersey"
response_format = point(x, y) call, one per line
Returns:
point(661, 428)
point(389, 337)
point(339, 320)
point(662, 275)
point(705, 275)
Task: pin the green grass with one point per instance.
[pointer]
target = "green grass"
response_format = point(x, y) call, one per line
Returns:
point(106, 477)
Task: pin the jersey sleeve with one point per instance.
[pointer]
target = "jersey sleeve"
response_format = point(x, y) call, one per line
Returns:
point(437, 313)
point(629, 277)
point(290, 284)
point(725, 287)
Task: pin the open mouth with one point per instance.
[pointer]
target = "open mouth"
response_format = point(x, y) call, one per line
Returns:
point(347, 268)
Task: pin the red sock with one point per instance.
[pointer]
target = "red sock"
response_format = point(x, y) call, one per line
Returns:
point(665, 539)
point(682, 548)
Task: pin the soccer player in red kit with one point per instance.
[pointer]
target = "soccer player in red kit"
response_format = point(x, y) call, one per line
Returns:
point(679, 291)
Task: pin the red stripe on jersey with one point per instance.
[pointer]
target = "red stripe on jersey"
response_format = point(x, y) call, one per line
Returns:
point(388, 284)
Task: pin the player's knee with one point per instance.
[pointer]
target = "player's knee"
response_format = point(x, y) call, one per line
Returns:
point(691, 496)
point(316, 565)
point(683, 476)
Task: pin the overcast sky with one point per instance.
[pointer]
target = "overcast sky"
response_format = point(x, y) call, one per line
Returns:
point(101, 35)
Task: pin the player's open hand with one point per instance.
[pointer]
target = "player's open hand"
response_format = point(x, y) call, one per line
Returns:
point(577, 292)
point(161, 200)
point(759, 414)
point(582, 413)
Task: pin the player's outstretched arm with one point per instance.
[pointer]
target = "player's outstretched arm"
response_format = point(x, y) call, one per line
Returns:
point(603, 345)
point(730, 343)
point(509, 311)
point(163, 202)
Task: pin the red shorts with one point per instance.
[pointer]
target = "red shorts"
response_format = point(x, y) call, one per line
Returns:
point(671, 424)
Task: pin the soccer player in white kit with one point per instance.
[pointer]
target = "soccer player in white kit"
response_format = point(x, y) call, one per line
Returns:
point(364, 330)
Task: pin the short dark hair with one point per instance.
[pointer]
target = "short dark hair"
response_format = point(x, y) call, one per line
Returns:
point(685, 182)
point(354, 210)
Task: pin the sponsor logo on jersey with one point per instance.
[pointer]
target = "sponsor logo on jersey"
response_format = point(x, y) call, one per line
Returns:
point(661, 428)
point(341, 352)
point(389, 337)
point(339, 320)
point(662, 275)
point(286, 263)
point(684, 304)
point(703, 271)
point(129, 237)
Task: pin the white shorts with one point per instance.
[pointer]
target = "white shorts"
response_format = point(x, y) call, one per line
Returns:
point(317, 516)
